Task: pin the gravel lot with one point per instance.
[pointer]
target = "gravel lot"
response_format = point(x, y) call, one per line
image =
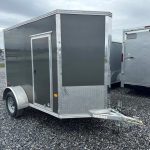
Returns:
point(37, 130)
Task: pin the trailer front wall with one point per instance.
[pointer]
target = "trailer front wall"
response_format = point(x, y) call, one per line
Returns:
point(83, 55)
point(18, 54)
point(83, 44)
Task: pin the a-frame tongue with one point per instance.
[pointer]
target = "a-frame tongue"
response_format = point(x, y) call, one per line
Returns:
point(112, 114)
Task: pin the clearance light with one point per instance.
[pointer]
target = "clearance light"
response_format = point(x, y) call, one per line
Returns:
point(55, 94)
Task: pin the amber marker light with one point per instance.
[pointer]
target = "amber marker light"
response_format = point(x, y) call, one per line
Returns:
point(55, 94)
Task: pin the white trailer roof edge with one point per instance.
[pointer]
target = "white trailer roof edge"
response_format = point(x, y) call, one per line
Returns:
point(138, 29)
point(59, 11)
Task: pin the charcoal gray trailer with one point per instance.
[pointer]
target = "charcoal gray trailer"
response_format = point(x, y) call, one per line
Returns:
point(59, 64)
point(115, 61)
point(136, 52)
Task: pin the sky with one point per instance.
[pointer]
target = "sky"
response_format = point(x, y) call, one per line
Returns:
point(126, 13)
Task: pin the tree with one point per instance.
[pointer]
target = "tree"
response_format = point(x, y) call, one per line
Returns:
point(1, 54)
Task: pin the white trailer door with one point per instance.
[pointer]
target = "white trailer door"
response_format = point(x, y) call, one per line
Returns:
point(137, 59)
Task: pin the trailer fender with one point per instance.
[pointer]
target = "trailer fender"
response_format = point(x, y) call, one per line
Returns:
point(19, 94)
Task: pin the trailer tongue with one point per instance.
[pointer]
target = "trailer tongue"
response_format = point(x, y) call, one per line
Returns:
point(112, 114)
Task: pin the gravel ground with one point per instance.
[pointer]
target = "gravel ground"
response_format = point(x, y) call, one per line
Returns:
point(37, 130)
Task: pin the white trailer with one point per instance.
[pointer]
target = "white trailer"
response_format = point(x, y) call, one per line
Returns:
point(136, 54)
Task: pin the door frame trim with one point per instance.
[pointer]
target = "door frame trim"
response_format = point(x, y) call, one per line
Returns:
point(40, 36)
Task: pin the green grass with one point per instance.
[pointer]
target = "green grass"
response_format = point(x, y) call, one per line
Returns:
point(2, 65)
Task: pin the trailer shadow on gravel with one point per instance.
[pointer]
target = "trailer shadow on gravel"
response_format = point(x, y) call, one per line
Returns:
point(88, 126)
point(139, 91)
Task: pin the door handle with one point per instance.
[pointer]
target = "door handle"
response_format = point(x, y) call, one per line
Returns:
point(130, 57)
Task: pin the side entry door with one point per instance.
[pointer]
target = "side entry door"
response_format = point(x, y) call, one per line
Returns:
point(41, 69)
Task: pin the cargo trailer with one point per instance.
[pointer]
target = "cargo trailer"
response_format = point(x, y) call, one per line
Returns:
point(59, 64)
point(115, 61)
point(135, 65)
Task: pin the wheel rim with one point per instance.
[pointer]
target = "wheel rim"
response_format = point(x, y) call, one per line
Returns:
point(11, 105)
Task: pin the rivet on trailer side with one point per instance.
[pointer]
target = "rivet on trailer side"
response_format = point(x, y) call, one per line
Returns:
point(59, 64)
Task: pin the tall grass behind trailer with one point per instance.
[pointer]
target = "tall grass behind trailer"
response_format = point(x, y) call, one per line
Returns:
point(136, 52)
point(59, 64)
point(115, 61)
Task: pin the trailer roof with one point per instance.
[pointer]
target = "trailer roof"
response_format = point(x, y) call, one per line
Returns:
point(58, 11)
point(137, 29)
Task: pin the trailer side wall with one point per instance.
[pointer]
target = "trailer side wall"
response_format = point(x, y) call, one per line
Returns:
point(18, 53)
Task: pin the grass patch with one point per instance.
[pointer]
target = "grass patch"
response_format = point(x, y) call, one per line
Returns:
point(2, 65)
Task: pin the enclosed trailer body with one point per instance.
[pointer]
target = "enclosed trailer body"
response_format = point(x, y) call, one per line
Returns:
point(115, 61)
point(136, 53)
point(59, 63)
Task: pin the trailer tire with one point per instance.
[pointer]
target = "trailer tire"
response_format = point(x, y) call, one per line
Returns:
point(11, 105)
